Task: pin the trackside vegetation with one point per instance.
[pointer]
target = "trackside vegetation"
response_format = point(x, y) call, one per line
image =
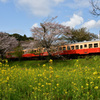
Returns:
point(77, 79)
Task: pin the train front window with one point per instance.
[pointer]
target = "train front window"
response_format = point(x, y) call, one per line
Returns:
point(68, 47)
point(95, 45)
point(81, 46)
point(77, 46)
point(85, 45)
point(90, 45)
point(64, 48)
point(72, 47)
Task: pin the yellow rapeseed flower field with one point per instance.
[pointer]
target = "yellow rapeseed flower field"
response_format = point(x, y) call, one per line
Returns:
point(47, 82)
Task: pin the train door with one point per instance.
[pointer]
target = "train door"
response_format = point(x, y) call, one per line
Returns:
point(85, 49)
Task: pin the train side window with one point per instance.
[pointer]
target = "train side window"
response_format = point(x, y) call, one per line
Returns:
point(40, 50)
point(90, 45)
point(44, 50)
point(95, 45)
point(56, 49)
point(60, 48)
point(81, 46)
point(85, 45)
point(72, 47)
point(34, 50)
point(68, 47)
point(8, 54)
point(64, 48)
point(77, 46)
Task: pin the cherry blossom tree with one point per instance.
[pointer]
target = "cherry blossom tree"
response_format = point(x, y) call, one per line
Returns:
point(49, 34)
point(7, 43)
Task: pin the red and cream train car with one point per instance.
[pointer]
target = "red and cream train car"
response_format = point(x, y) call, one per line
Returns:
point(80, 48)
point(70, 50)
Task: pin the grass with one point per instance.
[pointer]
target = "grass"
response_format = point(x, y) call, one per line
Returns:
point(77, 79)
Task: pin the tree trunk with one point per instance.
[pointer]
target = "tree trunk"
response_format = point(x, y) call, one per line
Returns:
point(49, 55)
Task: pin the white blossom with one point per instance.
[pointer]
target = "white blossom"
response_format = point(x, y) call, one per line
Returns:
point(7, 43)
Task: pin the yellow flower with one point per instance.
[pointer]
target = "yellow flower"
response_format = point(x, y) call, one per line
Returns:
point(32, 92)
point(35, 88)
point(8, 84)
point(35, 97)
point(7, 78)
point(39, 89)
point(50, 60)
point(39, 83)
point(57, 76)
point(85, 66)
point(0, 64)
point(39, 74)
point(44, 65)
point(51, 72)
point(49, 83)
point(96, 87)
point(47, 93)
point(38, 64)
point(50, 68)
point(14, 90)
point(87, 84)
point(30, 85)
point(91, 82)
point(82, 87)
point(44, 93)
point(98, 76)
point(57, 84)
point(42, 86)
point(50, 76)
point(95, 73)
point(10, 89)
point(6, 61)
point(87, 93)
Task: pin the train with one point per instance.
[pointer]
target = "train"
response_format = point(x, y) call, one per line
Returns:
point(69, 50)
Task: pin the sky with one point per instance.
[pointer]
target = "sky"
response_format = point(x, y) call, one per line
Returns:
point(19, 16)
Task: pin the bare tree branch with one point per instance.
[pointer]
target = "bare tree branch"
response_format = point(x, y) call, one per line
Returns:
point(95, 7)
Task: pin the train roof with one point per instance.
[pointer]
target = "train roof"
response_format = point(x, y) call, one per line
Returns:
point(86, 42)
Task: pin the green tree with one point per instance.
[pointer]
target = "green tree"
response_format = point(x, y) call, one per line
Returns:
point(20, 37)
point(79, 35)
point(25, 37)
point(19, 52)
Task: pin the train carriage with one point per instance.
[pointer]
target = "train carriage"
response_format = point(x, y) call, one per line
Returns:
point(70, 50)
point(89, 47)
point(81, 48)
